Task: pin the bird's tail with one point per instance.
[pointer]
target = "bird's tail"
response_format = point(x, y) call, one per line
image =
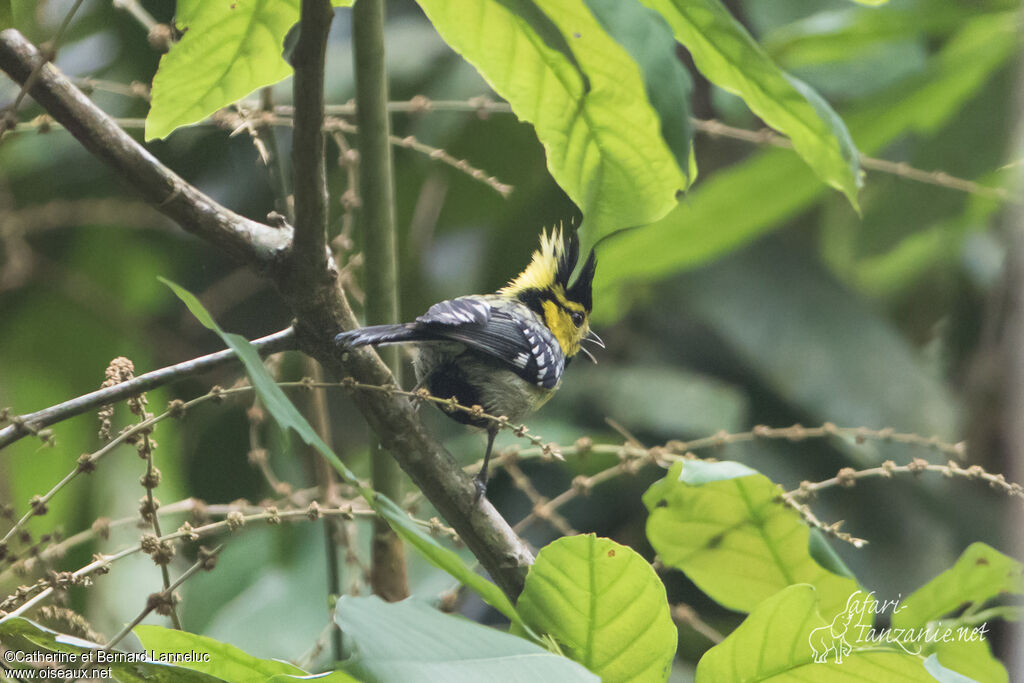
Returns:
point(378, 334)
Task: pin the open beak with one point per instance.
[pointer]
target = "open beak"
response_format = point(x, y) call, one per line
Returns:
point(588, 354)
point(592, 336)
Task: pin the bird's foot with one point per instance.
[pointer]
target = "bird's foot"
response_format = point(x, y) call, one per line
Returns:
point(481, 488)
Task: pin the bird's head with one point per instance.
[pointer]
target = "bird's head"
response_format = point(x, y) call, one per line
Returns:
point(544, 287)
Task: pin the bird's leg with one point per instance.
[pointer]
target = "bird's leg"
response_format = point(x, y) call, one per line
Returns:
point(481, 477)
point(416, 404)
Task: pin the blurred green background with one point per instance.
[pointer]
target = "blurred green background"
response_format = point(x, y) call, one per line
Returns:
point(773, 303)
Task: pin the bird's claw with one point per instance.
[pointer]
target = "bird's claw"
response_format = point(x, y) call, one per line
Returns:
point(481, 488)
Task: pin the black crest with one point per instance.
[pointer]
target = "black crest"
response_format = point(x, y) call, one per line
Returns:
point(582, 290)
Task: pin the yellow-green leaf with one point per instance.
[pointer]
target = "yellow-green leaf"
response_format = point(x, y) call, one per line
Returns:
point(584, 95)
point(605, 605)
point(723, 525)
point(230, 48)
point(729, 57)
point(785, 640)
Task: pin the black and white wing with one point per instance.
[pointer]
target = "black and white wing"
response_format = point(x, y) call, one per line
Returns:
point(461, 311)
point(521, 342)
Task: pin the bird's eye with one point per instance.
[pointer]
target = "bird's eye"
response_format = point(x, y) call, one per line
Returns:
point(577, 318)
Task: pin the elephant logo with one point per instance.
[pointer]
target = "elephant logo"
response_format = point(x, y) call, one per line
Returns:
point(831, 639)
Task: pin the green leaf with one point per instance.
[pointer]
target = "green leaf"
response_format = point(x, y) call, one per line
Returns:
point(229, 49)
point(288, 417)
point(443, 558)
point(22, 635)
point(648, 39)
point(734, 538)
point(411, 641)
point(716, 216)
point(980, 574)
point(838, 35)
point(605, 605)
point(779, 641)
point(342, 3)
point(584, 95)
point(222, 660)
point(729, 57)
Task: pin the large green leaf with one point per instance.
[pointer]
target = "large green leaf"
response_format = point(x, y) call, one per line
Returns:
point(729, 57)
point(648, 38)
point(780, 641)
point(717, 215)
point(229, 49)
point(22, 635)
point(411, 641)
point(604, 604)
point(585, 96)
point(724, 526)
point(981, 574)
point(210, 656)
point(835, 35)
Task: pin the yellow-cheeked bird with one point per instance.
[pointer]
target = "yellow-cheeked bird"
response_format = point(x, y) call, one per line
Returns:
point(506, 351)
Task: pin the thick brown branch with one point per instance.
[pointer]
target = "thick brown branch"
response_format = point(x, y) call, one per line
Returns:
point(31, 422)
point(241, 238)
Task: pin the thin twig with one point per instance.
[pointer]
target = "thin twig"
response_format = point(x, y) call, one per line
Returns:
point(50, 54)
point(272, 515)
point(241, 238)
point(434, 153)
point(767, 136)
point(166, 596)
point(848, 477)
point(685, 614)
point(327, 485)
point(137, 11)
point(31, 423)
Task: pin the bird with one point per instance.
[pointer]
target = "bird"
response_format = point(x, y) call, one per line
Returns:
point(507, 351)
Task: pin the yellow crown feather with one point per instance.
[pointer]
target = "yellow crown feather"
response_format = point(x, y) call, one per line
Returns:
point(544, 269)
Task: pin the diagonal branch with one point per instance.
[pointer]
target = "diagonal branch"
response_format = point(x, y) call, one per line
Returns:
point(320, 307)
point(241, 238)
point(30, 423)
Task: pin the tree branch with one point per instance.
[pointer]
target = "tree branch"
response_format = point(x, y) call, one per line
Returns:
point(32, 422)
point(309, 249)
point(241, 238)
point(320, 307)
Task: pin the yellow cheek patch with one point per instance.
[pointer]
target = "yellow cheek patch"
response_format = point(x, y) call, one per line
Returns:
point(561, 325)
